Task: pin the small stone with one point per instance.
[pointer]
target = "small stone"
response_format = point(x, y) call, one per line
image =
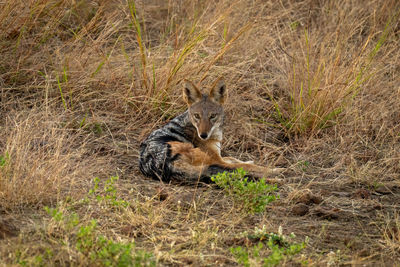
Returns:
point(316, 199)
point(300, 209)
point(362, 193)
point(384, 190)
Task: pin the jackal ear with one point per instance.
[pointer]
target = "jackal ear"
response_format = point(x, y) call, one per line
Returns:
point(218, 91)
point(191, 93)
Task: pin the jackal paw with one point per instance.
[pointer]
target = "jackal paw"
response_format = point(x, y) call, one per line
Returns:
point(233, 160)
point(277, 170)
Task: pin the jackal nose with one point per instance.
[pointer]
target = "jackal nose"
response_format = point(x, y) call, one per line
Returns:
point(203, 135)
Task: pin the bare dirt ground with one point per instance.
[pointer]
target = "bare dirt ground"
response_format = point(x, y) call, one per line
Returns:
point(313, 87)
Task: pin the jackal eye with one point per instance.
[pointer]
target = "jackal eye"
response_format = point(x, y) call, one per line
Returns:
point(213, 116)
point(196, 116)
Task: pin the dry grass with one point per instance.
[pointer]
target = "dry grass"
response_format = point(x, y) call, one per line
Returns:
point(313, 87)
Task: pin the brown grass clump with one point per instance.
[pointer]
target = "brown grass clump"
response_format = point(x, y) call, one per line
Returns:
point(41, 162)
point(313, 87)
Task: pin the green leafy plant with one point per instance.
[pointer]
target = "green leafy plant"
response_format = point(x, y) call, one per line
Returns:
point(254, 196)
point(304, 165)
point(55, 213)
point(85, 237)
point(4, 159)
point(99, 249)
point(68, 220)
point(109, 251)
point(247, 256)
point(93, 247)
point(270, 250)
point(282, 249)
point(109, 193)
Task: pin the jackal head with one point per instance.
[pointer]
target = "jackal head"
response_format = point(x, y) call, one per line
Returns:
point(205, 110)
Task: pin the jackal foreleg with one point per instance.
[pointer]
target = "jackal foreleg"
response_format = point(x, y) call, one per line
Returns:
point(193, 159)
point(192, 155)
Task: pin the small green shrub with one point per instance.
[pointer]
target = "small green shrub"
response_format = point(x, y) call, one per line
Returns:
point(55, 213)
point(95, 248)
point(247, 256)
point(109, 251)
point(4, 159)
point(254, 196)
point(105, 252)
point(278, 248)
point(101, 250)
point(66, 220)
point(109, 193)
point(85, 238)
point(281, 249)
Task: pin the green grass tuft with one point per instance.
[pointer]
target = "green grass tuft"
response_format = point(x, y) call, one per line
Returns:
point(253, 196)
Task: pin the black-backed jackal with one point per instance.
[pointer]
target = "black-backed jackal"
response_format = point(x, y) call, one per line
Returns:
point(188, 148)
